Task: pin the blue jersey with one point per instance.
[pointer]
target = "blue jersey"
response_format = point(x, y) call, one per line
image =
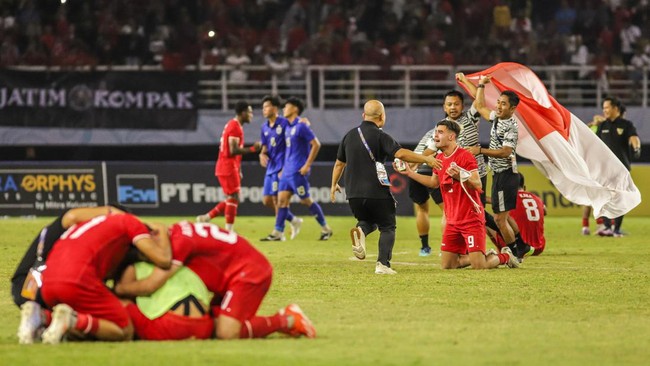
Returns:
point(273, 139)
point(298, 137)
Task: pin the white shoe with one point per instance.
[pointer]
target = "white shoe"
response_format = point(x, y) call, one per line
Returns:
point(512, 260)
point(490, 252)
point(203, 218)
point(295, 227)
point(63, 318)
point(585, 230)
point(358, 242)
point(381, 269)
point(30, 322)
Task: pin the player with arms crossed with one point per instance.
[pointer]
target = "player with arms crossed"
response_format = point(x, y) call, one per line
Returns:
point(228, 168)
point(460, 186)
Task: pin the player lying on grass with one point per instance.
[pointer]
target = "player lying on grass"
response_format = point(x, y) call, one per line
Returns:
point(460, 186)
point(237, 274)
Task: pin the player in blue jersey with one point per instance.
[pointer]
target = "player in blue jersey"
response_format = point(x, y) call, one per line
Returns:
point(272, 157)
point(301, 149)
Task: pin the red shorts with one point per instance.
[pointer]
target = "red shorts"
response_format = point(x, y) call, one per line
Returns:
point(170, 326)
point(465, 238)
point(93, 298)
point(242, 299)
point(231, 183)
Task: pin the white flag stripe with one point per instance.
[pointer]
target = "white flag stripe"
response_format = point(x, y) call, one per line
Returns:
point(581, 167)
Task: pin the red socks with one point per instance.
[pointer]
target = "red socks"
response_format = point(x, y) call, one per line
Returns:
point(503, 258)
point(231, 210)
point(585, 222)
point(87, 324)
point(261, 326)
point(217, 210)
point(47, 317)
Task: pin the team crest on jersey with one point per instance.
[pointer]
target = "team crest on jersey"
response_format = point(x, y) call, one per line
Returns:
point(266, 133)
point(278, 130)
point(619, 131)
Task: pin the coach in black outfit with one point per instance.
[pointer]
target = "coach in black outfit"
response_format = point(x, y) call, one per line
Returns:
point(619, 134)
point(365, 149)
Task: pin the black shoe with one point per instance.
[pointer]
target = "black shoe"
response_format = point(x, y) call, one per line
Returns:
point(522, 250)
point(326, 235)
point(272, 237)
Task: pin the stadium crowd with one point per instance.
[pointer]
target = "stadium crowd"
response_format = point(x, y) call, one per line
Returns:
point(286, 34)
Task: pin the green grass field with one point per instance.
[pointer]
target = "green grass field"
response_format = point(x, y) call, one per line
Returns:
point(585, 301)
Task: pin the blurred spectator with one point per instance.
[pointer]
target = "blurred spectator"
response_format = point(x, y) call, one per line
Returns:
point(297, 66)
point(501, 19)
point(328, 31)
point(237, 59)
point(564, 18)
point(579, 55)
point(629, 35)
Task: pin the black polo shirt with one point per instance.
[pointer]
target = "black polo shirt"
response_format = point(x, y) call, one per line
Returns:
point(360, 174)
point(616, 135)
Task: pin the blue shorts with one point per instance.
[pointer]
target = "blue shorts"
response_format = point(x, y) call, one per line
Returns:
point(271, 183)
point(296, 183)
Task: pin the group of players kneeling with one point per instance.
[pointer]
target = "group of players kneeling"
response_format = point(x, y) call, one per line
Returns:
point(185, 281)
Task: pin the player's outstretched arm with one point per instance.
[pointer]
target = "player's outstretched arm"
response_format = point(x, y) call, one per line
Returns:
point(427, 181)
point(233, 145)
point(479, 102)
point(411, 157)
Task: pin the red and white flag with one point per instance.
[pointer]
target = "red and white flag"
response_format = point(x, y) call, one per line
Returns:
point(562, 147)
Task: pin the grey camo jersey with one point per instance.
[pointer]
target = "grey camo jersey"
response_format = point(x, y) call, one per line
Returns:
point(505, 134)
point(468, 122)
point(421, 146)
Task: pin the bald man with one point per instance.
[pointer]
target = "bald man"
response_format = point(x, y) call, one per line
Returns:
point(365, 149)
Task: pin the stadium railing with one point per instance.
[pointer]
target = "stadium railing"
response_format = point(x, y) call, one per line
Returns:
point(348, 86)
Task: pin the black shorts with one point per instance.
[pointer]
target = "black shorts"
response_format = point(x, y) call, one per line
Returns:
point(420, 193)
point(504, 191)
point(380, 212)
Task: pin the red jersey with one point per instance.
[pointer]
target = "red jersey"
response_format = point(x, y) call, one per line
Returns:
point(217, 256)
point(459, 209)
point(93, 248)
point(227, 163)
point(529, 215)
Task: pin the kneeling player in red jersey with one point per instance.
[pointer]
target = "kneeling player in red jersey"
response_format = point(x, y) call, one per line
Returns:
point(73, 282)
point(237, 274)
point(460, 186)
point(529, 216)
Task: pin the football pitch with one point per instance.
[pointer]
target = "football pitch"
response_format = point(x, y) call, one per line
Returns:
point(584, 301)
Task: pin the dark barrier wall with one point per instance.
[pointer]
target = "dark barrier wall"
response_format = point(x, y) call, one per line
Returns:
point(98, 100)
point(168, 189)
